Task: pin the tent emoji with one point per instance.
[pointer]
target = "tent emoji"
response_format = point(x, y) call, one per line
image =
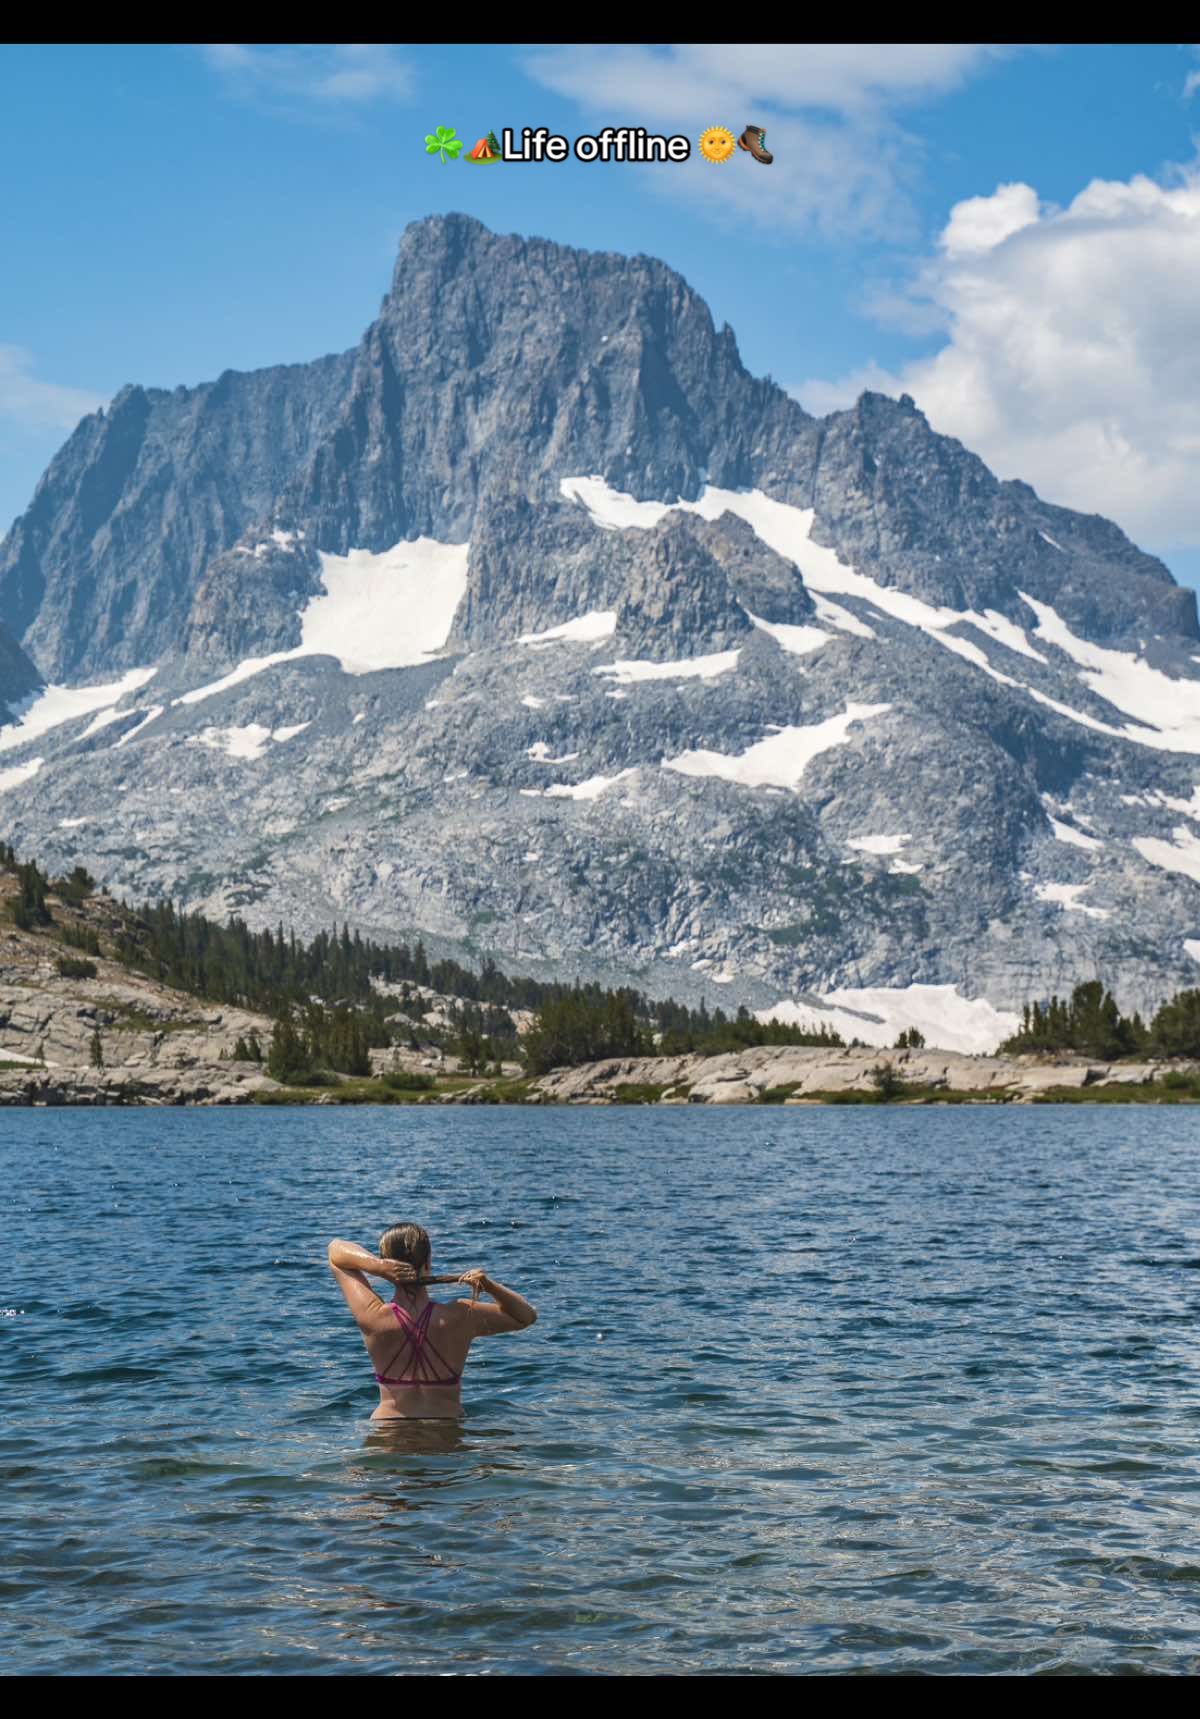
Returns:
point(487, 149)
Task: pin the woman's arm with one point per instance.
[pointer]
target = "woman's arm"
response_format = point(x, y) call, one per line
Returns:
point(348, 1256)
point(511, 1311)
point(352, 1265)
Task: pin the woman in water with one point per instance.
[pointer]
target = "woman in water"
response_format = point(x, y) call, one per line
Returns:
point(418, 1346)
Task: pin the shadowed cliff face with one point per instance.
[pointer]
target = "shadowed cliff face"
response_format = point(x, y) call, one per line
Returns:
point(18, 677)
point(101, 572)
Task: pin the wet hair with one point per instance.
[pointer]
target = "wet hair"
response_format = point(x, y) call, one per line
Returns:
point(408, 1243)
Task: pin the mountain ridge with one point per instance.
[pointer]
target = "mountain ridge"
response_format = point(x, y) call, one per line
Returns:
point(543, 614)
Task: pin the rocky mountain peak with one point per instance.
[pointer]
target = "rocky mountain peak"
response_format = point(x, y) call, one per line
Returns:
point(536, 625)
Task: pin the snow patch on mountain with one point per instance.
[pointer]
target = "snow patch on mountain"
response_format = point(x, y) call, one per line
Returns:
point(591, 789)
point(1166, 710)
point(798, 641)
point(152, 715)
point(781, 759)
point(1076, 838)
point(835, 616)
point(55, 705)
point(1066, 895)
point(1128, 682)
point(584, 629)
point(18, 773)
point(391, 610)
point(248, 742)
point(787, 530)
point(701, 668)
point(1182, 854)
point(877, 844)
point(540, 753)
point(877, 1015)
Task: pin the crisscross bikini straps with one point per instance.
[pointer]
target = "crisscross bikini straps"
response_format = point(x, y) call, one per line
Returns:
point(418, 1370)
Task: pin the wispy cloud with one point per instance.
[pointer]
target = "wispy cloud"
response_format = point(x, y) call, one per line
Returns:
point(844, 162)
point(1192, 81)
point(328, 77)
point(25, 399)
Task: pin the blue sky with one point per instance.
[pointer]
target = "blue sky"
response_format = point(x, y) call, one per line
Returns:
point(1014, 235)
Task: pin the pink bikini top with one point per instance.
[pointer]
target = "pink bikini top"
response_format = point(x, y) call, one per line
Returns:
point(417, 1368)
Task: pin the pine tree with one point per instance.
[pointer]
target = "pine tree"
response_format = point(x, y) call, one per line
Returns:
point(97, 1050)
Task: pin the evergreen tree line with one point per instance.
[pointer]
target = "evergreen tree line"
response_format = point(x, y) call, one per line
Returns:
point(323, 993)
point(317, 1040)
point(274, 972)
point(1091, 1024)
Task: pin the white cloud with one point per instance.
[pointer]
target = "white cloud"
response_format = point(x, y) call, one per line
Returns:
point(829, 106)
point(334, 75)
point(1192, 81)
point(1072, 351)
point(978, 224)
point(28, 400)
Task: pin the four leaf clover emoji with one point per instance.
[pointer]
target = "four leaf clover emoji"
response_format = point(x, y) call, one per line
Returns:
point(445, 142)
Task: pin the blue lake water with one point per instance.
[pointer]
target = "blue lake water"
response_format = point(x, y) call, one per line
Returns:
point(812, 1391)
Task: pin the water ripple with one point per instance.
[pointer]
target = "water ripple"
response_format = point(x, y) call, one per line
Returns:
point(824, 1391)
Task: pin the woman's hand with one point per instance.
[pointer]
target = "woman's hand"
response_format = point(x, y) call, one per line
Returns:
point(478, 1281)
point(396, 1271)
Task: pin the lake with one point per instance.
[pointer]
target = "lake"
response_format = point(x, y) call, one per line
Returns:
point(864, 1390)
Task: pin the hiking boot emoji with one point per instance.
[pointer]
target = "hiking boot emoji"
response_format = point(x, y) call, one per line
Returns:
point(754, 139)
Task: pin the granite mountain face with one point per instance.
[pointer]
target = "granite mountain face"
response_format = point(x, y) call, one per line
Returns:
point(537, 625)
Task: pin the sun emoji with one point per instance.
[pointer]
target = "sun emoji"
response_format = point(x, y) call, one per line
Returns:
point(716, 144)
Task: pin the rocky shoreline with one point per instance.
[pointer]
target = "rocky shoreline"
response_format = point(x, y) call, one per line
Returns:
point(780, 1075)
point(799, 1075)
point(110, 1036)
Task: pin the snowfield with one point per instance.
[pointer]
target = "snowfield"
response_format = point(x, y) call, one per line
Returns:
point(1066, 895)
point(1165, 711)
point(1181, 855)
point(798, 641)
point(386, 611)
point(391, 610)
point(589, 790)
point(781, 759)
point(584, 629)
point(690, 668)
point(55, 705)
point(877, 844)
point(878, 1016)
point(246, 743)
point(18, 773)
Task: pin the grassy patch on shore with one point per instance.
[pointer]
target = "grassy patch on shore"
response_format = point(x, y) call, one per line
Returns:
point(386, 1090)
point(902, 1093)
point(777, 1094)
point(344, 1092)
point(1174, 1088)
point(132, 1020)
